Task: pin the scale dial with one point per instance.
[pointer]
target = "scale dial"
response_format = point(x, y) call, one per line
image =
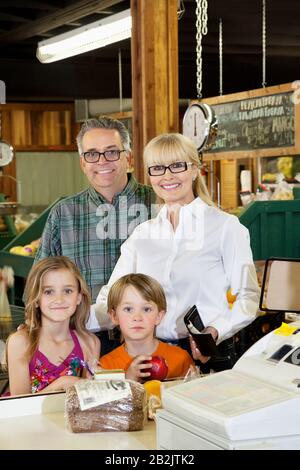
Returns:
point(200, 125)
point(6, 153)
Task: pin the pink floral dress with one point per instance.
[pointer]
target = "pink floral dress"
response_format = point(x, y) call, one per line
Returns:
point(43, 372)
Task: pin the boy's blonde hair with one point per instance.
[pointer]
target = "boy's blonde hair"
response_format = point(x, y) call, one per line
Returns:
point(147, 286)
point(32, 295)
point(174, 147)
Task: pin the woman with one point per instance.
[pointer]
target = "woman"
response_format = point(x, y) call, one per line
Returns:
point(195, 250)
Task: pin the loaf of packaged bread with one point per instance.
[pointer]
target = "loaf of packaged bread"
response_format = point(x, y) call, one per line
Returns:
point(105, 405)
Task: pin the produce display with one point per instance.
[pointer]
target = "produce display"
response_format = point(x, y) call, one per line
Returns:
point(269, 177)
point(276, 168)
point(27, 250)
point(285, 166)
point(283, 192)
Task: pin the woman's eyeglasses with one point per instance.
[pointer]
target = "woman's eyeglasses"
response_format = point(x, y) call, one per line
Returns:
point(177, 167)
point(110, 155)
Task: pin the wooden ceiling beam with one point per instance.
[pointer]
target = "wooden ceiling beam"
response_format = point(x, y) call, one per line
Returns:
point(56, 19)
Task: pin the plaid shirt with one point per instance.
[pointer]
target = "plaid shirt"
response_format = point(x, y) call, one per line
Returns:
point(89, 230)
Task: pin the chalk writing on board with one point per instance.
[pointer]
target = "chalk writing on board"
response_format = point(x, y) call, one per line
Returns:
point(255, 123)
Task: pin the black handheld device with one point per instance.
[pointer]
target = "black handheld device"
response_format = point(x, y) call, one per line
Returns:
point(204, 341)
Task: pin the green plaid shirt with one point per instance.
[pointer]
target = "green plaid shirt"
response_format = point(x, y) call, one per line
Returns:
point(90, 231)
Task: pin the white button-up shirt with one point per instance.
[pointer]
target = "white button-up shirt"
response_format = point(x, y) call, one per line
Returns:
point(196, 264)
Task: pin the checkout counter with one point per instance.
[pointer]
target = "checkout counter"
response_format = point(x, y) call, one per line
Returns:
point(255, 405)
point(37, 422)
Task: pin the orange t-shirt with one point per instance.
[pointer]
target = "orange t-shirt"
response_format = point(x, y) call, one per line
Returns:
point(178, 359)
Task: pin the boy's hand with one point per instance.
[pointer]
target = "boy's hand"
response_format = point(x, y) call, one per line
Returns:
point(138, 368)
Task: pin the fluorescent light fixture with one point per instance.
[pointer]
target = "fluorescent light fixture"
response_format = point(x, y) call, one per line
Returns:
point(112, 29)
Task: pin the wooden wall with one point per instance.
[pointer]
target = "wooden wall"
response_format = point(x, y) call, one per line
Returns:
point(35, 127)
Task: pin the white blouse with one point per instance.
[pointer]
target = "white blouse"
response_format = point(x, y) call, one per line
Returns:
point(196, 264)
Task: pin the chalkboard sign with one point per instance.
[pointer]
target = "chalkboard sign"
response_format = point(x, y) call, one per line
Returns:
point(255, 123)
point(262, 122)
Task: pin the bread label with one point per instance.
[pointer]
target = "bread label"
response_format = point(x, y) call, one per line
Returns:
point(93, 393)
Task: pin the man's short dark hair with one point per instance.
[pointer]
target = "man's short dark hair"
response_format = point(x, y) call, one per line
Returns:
point(104, 122)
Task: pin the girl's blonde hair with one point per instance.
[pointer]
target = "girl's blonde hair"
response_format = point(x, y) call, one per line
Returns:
point(32, 295)
point(147, 286)
point(169, 148)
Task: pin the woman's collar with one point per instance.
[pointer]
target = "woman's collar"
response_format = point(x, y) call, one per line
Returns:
point(194, 206)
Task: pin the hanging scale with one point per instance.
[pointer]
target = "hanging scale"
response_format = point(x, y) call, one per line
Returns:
point(199, 121)
point(6, 150)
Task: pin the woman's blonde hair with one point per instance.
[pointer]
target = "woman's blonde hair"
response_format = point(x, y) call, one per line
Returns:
point(32, 295)
point(147, 286)
point(169, 148)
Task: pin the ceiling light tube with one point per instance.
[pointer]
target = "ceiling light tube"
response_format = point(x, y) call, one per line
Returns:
point(112, 29)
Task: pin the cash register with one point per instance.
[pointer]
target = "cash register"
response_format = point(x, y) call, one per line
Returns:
point(256, 404)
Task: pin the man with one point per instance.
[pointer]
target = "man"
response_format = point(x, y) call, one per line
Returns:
point(90, 226)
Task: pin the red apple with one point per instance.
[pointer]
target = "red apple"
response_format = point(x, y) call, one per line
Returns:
point(158, 369)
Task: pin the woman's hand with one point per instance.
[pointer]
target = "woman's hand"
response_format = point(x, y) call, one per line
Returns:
point(137, 369)
point(195, 351)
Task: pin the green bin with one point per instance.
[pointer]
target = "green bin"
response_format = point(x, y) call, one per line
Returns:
point(296, 193)
point(274, 228)
point(21, 265)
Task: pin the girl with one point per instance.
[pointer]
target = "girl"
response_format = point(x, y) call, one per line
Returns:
point(195, 250)
point(51, 350)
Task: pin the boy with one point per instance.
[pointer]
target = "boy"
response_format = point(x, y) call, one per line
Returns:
point(137, 304)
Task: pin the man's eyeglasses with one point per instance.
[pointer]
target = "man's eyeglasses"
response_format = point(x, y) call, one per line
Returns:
point(110, 155)
point(177, 167)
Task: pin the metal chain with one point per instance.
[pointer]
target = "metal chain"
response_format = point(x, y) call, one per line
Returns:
point(264, 34)
point(120, 81)
point(180, 9)
point(220, 57)
point(201, 27)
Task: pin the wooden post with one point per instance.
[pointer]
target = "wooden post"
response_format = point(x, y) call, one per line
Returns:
point(154, 52)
